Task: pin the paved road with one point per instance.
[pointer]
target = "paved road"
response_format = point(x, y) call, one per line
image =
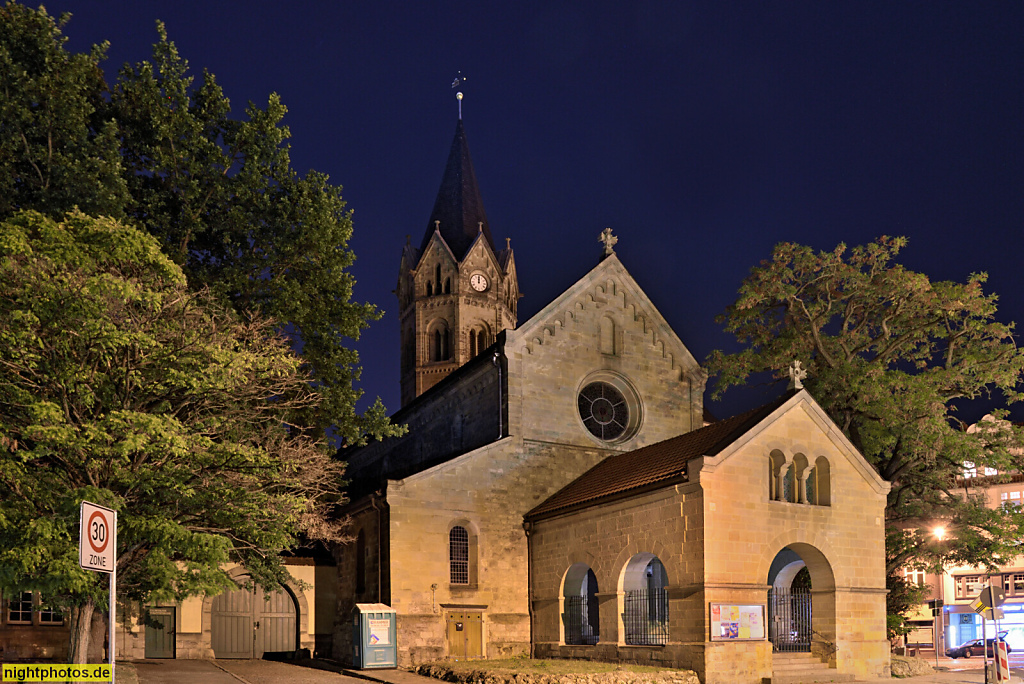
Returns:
point(233, 672)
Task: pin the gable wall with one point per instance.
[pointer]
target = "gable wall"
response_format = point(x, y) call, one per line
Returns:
point(745, 530)
point(553, 359)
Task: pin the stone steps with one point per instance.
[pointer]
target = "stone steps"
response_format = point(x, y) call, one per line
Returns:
point(803, 668)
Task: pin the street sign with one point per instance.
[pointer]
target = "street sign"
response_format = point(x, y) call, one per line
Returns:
point(97, 538)
point(97, 550)
point(992, 596)
point(986, 612)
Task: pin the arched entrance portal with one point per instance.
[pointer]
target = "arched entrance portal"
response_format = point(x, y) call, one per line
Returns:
point(801, 601)
point(249, 623)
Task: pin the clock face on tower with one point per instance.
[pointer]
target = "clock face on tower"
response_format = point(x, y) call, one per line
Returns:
point(478, 281)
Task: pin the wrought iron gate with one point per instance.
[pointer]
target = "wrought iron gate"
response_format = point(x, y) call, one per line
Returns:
point(789, 619)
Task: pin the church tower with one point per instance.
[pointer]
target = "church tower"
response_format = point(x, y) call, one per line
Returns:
point(457, 291)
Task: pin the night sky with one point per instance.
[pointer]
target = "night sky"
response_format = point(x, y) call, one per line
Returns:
point(701, 133)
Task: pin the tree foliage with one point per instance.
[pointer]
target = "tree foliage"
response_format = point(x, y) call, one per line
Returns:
point(219, 193)
point(120, 385)
point(888, 353)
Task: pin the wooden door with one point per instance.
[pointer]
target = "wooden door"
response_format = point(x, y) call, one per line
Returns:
point(465, 635)
point(248, 624)
point(160, 632)
point(275, 623)
point(232, 626)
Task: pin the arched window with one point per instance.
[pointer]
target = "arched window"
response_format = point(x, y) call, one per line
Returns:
point(798, 480)
point(779, 477)
point(822, 483)
point(437, 278)
point(645, 600)
point(360, 562)
point(458, 555)
point(447, 285)
point(430, 289)
point(801, 473)
point(439, 335)
point(479, 339)
point(580, 614)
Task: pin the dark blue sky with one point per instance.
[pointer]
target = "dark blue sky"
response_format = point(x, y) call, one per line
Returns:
point(702, 133)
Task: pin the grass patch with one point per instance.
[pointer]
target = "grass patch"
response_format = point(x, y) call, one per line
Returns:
point(124, 673)
point(553, 666)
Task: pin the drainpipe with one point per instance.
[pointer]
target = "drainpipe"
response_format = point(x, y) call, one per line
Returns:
point(528, 528)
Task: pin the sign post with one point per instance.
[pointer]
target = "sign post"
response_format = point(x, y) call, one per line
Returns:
point(987, 606)
point(936, 606)
point(97, 550)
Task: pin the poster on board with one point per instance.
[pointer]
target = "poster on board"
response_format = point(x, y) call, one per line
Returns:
point(737, 622)
point(380, 632)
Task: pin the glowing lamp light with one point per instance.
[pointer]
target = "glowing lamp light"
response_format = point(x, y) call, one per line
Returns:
point(939, 532)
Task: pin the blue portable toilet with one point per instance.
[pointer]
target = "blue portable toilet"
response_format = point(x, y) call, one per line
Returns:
point(375, 636)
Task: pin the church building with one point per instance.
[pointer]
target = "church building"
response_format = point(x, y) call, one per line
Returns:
point(559, 494)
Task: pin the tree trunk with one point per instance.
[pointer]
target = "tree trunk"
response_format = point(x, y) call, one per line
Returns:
point(81, 630)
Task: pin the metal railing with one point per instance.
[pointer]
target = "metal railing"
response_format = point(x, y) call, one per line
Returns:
point(646, 617)
point(581, 620)
point(789, 619)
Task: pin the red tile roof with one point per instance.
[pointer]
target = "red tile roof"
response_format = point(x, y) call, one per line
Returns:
point(651, 466)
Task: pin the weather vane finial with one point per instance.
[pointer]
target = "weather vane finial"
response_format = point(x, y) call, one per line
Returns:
point(459, 80)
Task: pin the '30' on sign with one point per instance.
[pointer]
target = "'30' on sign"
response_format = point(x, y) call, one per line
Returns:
point(97, 539)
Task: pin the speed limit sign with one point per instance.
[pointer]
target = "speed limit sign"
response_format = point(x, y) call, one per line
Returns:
point(97, 539)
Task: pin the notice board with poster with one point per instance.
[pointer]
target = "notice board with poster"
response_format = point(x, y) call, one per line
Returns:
point(736, 622)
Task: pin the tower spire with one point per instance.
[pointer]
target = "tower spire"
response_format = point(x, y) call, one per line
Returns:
point(458, 213)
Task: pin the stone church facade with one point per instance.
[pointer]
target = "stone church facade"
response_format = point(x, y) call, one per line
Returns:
point(449, 520)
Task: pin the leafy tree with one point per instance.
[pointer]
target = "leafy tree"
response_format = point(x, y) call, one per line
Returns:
point(888, 353)
point(219, 193)
point(904, 597)
point(57, 150)
point(120, 385)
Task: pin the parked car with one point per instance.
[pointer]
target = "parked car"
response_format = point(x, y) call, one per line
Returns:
point(976, 648)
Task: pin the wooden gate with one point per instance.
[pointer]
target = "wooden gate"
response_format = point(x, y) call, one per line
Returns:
point(465, 635)
point(248, 624)
point(160, 632)
point(789, 619)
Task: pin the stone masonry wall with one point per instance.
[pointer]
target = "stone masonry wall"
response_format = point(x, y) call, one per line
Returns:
point(365, 521)
point(667, 523)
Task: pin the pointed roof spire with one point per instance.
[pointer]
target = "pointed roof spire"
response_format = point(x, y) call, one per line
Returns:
point(459, 207)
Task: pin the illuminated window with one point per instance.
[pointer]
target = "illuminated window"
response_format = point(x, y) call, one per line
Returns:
point(458, 555)
point(969, 586)
point(969, 469)
point(914, 576)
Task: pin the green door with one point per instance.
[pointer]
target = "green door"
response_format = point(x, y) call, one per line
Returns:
point(160, 632)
